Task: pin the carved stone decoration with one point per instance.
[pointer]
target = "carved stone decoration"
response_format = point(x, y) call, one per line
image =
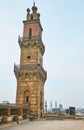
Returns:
point(33, 45)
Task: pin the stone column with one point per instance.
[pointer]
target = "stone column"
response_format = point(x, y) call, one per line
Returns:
point(9, 111)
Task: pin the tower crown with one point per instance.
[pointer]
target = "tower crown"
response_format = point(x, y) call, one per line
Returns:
point(32, 26)
point(34, 8)
point(34, 15)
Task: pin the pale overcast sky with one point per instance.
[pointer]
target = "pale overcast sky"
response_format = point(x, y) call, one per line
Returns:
point(63, 37)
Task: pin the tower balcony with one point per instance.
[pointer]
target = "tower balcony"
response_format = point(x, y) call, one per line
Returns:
point(24, 40)
point(30, 67)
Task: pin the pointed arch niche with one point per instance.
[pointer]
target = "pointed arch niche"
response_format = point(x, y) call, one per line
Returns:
point(26, 97)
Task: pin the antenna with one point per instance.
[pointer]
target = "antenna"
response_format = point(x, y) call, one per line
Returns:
point(34, 3)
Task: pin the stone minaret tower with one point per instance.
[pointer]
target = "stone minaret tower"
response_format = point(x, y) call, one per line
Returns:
point(30, 74)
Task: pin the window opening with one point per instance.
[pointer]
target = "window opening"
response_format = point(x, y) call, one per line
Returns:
point(28, 57)
point(27, 98)
point(30, 33)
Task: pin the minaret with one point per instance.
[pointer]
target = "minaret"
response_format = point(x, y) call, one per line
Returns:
point(45, 107)
point(30, 74)
point(51, 106)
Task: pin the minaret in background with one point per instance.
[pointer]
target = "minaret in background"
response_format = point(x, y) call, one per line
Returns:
point(45, 107)
point(30, 74)
point(51, 106)
point(55, 106)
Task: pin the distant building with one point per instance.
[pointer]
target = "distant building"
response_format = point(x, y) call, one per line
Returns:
point(60, 107)
point(56, 111)
point(80, 113)
point(72, 110)
point(5, 102)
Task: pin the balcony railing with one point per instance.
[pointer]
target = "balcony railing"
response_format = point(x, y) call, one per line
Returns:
point(24, 39)
point(34, 66)
point(20, 39)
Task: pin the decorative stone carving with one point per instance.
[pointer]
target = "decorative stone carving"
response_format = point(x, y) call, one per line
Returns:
point(33, 45)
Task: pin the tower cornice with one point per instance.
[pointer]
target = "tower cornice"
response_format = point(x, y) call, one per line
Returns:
point(35, 42)
point(33, 21)
point(28, 73)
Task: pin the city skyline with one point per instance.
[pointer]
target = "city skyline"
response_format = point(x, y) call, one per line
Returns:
point(63, 37)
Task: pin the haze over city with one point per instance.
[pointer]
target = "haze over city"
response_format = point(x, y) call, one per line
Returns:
point(63, 37)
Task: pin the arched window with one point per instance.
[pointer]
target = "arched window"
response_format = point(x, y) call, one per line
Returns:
point(30, 33)
point(26, 96)
point(27, 99)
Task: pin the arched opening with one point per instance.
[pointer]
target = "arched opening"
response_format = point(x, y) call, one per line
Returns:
point(26, 97)
point(30, 33)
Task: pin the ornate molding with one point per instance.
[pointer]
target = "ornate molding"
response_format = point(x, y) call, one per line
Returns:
point(32, 44)
point(21, 75)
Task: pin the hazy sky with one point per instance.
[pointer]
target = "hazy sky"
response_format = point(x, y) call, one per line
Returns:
point(63, 37)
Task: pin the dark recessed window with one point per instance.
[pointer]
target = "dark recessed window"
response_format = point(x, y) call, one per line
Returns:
point(38, 64)
point(27, 98)
point(28, 57)
point(30, 33)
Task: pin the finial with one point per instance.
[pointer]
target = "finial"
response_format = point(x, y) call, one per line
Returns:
point(28, 10)
point(34, 3)
point(34, 8)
